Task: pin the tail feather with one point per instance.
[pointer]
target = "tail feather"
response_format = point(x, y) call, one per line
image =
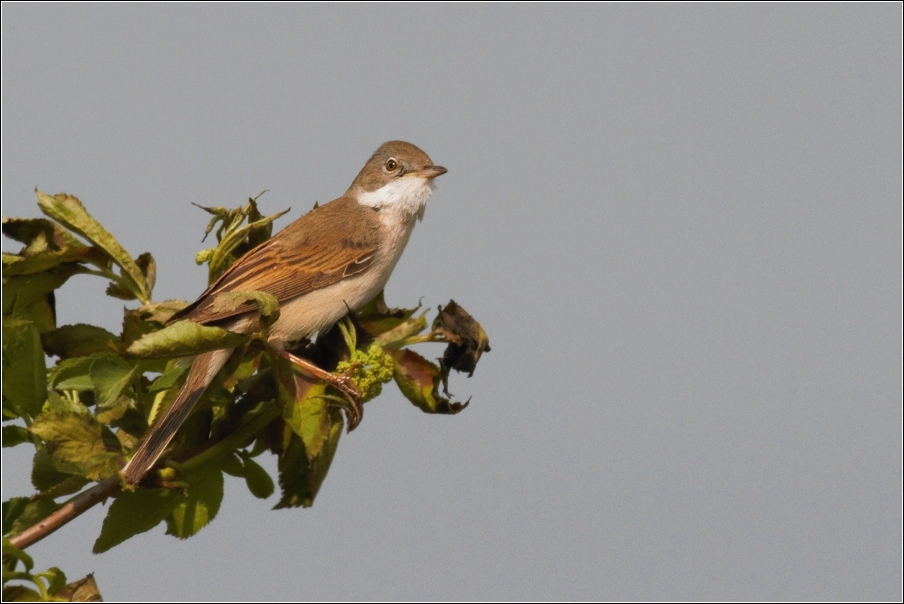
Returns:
point(203, 369)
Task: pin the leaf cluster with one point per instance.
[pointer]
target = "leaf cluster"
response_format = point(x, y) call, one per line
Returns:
point(85, 414)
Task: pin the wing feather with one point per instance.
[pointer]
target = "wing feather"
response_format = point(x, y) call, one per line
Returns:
point(324, 246)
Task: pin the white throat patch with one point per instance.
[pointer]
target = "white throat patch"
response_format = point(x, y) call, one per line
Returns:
point(407, 194)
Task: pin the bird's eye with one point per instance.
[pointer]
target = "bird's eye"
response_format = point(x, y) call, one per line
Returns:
point(391, 164)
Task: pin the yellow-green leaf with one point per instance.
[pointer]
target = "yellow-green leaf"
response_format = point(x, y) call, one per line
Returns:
point(80, 340)
point(24, 370)
point(184, 338)
point(134, 512)
point(194, 512)
point(70, 212)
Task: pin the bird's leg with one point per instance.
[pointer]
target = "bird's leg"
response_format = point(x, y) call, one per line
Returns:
point(343, 383)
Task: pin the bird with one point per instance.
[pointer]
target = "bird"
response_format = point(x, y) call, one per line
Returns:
point(333, 260)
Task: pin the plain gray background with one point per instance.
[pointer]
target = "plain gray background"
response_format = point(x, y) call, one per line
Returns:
point(680, 227)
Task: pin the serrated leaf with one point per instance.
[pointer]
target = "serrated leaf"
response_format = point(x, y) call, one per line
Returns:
point(135, 512)
point(15, 435)
point(73, 374)
point(233, 237)
point(78, 444)
point(304, 408)
point(184, 338)
point(159, 311)
point(301, 479)
point(24, 370)
point(110, 374)
point(56, 403)
point(45, 475)
point(205, 493)
point(376, 318)
point(258, 480)
point(419, 381)
point(70, 212)
point(31, 296)
point(12, 509)
point(267, 304)
point(115, 290)
point(80, 340)
point(47, 246)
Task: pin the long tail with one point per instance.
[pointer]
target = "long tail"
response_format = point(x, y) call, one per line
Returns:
point(203, 369)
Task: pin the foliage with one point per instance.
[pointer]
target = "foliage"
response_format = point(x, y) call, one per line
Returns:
point(85, 414)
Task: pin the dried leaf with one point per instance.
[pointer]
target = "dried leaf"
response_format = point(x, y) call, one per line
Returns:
point(419, 381)
point(83, 590)
point(467, 338)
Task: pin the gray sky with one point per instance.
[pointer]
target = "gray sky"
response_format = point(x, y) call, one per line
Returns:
point(679, 225)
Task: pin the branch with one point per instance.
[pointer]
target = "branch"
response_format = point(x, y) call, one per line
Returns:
point(70, 511)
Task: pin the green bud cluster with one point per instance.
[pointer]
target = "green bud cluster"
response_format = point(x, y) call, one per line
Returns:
point(371, 370)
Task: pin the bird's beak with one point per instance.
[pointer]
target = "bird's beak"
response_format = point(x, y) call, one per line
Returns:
point(430, 173)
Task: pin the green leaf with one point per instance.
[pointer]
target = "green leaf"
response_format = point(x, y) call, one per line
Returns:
point(70, 212)
point(78, 444)
point(110, 374)
point(134, 512)
point(258, 480)
point(301, 479)
point(56, 579)
point(47, 246)
point(267, 304)
point(56, 403)
point(80, 340)
point(24, 371)
point(159, 311)
point(12, 509)
point(45, 476)
point(73, 374)
point(309, 418)
point(234, 237)
point(205, 493)
point(184, 338)
point(419, 381)
point(15, 435)
point(11, 551)
point(168, 378)
point(31, 296)
point(376, 318)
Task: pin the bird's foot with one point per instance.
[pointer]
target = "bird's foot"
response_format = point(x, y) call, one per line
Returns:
point(343, 383)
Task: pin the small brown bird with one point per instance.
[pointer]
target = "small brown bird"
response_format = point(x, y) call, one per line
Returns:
point(335, 258)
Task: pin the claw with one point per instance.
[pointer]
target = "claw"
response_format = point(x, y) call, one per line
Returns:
point(343, 383)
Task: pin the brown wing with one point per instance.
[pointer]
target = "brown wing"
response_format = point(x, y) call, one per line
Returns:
point(324, 246)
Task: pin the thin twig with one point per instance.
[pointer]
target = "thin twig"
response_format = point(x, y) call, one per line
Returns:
point(71, 510)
